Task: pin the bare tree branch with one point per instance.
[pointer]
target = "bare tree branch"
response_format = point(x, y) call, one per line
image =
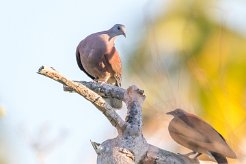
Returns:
point(88, 94)
point(105, 90)
point(130, 145)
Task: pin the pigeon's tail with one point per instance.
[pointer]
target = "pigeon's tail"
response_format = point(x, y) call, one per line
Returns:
point(113, 102)
point(219, 158)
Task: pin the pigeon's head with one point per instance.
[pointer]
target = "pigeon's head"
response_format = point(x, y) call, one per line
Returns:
point(177, 112)
point(118, 29)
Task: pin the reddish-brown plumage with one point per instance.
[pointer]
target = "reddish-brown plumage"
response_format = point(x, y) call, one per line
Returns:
point(97, 56)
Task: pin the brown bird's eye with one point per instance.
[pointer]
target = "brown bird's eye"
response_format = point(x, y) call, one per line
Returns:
point(118, 27)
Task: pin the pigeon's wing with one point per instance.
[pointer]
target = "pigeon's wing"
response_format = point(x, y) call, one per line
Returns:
point(79, 62)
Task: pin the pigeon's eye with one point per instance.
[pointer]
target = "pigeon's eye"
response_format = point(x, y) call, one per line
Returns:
point(118, 27)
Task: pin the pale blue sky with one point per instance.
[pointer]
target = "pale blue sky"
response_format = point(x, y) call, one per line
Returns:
point(35, 33)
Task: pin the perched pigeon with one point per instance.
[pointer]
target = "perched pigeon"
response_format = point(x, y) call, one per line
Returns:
point(97, 56)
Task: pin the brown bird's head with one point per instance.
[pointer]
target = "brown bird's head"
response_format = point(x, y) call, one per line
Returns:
point(117, 29)
point(177, 112)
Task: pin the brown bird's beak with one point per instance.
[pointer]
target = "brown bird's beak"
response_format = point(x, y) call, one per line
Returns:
point(170, 113)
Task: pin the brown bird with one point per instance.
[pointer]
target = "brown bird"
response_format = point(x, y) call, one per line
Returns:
point(98, 58)
point(194, 133)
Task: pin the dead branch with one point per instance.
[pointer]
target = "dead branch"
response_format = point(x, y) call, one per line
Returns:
point(130, 145)
point(88, 94)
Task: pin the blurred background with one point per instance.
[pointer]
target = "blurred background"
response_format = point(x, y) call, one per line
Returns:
point(185, 54)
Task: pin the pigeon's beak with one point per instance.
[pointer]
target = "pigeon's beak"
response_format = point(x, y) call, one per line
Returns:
point(123, 29)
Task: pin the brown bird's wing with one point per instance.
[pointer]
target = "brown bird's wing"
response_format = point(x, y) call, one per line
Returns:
point(81, 66)
point(180, 130)
point(213, 139)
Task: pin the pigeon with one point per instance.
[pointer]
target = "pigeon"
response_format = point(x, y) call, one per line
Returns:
point(98, 58)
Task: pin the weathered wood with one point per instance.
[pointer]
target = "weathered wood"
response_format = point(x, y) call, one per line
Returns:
point(130, 145)
point(88, 94)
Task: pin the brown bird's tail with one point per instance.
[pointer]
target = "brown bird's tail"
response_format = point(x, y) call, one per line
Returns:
point(219, 158)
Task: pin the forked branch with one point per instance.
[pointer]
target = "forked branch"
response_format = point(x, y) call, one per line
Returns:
point(130, 145)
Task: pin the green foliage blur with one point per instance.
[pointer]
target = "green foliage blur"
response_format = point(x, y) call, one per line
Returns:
point(190, 59)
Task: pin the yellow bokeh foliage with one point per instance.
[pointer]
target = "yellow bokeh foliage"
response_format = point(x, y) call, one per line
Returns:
point(188, 53)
